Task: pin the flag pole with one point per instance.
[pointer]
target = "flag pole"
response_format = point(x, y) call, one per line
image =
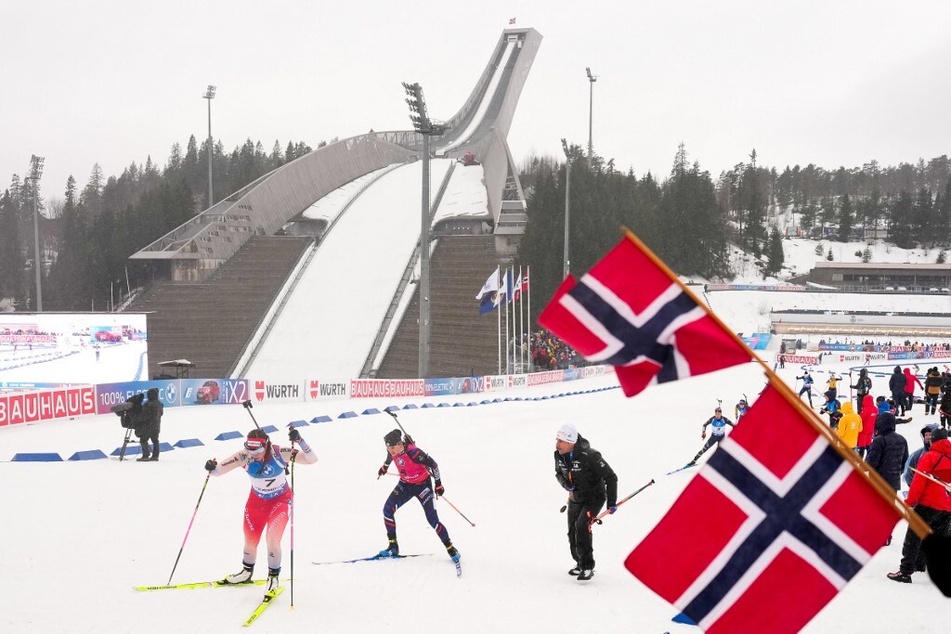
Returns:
point(528, 273)
point(498, 319)
point(514, 324)
point(918, 525)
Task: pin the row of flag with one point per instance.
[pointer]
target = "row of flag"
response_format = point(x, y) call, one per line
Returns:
point(786, 514)
point(496, 290)
point(505, 289)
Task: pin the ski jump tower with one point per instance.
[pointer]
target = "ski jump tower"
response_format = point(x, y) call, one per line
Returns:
point(192, 251)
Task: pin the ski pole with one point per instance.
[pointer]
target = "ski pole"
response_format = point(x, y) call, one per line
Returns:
point(399, 424)
point(189, 529)
point(247, 405)
point(443, 498)
point(290, 511)
point(597, 520)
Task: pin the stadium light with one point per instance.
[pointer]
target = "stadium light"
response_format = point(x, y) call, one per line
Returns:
point(427, 128)
point(564, 146)
point(36, 172)
point(209, 95)
point(591, 80)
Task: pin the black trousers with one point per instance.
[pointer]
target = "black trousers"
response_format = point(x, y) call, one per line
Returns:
point(151, 432)
point(912, 558)
point(580, 539)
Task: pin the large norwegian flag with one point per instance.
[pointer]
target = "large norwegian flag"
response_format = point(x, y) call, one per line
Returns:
point(775, 530)
point(630, 311)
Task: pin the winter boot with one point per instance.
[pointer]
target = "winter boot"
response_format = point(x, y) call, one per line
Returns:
point(273, 581)
point(392, 550)
point(585, 574)
point(241, 577)
point(143, 458)
point(899, 576)
point(453, 553)
point(574, 572)
point(155, 453)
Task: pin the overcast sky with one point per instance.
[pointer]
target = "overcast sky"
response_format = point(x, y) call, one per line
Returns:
point(835, 83)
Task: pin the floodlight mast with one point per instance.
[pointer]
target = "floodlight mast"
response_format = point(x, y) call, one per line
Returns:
point(426, 128)
point(567, 261)
point(209, 95)
point(591, 80)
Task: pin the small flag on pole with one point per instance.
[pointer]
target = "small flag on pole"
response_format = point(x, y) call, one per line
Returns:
point(511, 20)
point(489, 295)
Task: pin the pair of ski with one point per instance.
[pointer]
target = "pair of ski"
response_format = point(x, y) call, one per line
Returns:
point(379, 557)
point(258, 611)
point(686, 466)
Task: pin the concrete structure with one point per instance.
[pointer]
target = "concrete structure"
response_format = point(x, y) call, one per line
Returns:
point(891, 276)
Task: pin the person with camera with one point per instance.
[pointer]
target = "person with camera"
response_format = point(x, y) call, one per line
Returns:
point(270, 498)
point(150, 426)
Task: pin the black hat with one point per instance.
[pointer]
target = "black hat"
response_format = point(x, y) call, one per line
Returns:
point(939, 434)
point(393, 438)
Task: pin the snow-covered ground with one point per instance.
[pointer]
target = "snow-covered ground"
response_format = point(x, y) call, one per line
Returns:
point(78, 535)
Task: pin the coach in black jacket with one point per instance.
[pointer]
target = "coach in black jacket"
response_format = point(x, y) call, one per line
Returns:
point(889, 451)
point(590, 481)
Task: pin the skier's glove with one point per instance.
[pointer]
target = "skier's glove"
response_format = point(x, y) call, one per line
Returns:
point(382, 471)
point(440, 489)
point(211, 465)
point(612, 508)
point(703, 434)
point(293, 435)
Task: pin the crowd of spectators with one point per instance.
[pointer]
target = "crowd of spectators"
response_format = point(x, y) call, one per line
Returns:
point(551, 353)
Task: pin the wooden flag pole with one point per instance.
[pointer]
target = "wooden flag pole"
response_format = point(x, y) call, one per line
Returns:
point(918, 525)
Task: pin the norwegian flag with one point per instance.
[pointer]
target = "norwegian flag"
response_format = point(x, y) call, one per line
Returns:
point(630, 312)
point(511, 20)
point(783, 526)
point(517, 291)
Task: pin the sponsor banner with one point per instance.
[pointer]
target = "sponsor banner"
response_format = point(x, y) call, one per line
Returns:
point(215, 391)
point(920, 354)
point(754, 287)
point(541, 378)
point(272, 392)
point(801, 359)
point(317, 389)
point(854, 356)
point(30, 385)
point(594, 370)
point(28, 339)
point(518, 380)
point(469, 384)
point(109, 394)
point(439, 387)
point(836, 347)
point(52, 404)
point(369, 388)
point(492, 383)
point(573, 374)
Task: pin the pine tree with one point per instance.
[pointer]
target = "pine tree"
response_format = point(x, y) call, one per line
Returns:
point(845, 219)
point(776, 256)
point(12, 263)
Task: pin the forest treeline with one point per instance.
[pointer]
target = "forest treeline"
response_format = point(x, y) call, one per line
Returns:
point(88, 236)
point(688, 217)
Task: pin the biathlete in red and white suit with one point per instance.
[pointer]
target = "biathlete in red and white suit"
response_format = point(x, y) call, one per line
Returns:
point(269, 500)
point(415, 468)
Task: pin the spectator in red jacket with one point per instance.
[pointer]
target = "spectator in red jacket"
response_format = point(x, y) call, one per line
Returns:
point(910, 380)
point(869, 414)
point(930, 501)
